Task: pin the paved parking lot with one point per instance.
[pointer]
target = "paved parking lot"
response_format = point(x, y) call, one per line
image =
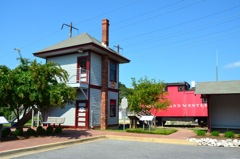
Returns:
point(119, 149)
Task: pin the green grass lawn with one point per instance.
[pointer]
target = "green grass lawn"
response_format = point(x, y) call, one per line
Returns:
point(160, 131)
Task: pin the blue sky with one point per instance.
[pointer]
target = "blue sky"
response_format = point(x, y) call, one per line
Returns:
point(173, 40)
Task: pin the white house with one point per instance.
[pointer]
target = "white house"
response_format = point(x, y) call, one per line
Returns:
point(94, 71)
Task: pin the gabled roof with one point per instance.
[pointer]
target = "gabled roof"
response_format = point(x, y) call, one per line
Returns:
point(80, 39)
point(220, 87)
point(83, 42)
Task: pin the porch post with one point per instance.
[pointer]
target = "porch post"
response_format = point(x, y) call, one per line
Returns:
point(209, 115)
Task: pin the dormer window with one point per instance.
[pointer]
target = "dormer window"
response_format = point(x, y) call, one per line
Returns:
point(113, 71)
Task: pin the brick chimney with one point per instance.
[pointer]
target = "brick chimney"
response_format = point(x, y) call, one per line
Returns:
point(105, 31)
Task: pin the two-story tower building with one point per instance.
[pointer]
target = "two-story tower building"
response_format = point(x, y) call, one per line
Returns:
point(93, 70)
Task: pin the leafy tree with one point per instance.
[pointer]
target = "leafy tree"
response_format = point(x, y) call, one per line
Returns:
point(4, 87)
point(123, 91)
point(148, 95)
point(34, 84)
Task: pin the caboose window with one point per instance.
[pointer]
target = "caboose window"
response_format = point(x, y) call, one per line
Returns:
point(181, 88)
point(204, 100)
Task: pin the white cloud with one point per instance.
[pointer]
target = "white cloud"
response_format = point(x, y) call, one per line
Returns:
point(233, 65)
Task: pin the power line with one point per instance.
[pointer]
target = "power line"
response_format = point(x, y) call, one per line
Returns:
point(149, 18)
point(86, 20)
point(187, 31)
point(110, 11)
point(148, 12)
point(180, 24)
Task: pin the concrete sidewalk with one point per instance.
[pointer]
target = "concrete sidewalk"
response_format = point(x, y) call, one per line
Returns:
point(72, 136)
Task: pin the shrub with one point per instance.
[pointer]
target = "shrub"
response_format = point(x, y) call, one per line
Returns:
point(201, 132)
point(229, 134)
point(41, 130)
point(31, 132)
point(18, 132)
point(6, 132)
point(49, 130)
point(58, 130)
point(215, 133)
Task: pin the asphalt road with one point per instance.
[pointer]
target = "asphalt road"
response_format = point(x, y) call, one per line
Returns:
point(117, 149)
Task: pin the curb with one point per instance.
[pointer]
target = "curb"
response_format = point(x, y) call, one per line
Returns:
point(40, 148)
point(48, 146)
point(157, 140)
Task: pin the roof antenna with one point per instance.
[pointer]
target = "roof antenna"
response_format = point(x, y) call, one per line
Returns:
point(118, 48)
point(71, 27)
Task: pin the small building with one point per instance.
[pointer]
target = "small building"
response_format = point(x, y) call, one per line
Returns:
point(223, 103)
point(93, 70)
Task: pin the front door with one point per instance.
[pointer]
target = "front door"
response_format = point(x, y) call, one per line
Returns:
point(82, 114)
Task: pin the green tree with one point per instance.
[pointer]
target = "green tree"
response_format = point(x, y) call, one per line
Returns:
point(148, 95)
point(4, 87)
point(34, 84)
point(123, 91)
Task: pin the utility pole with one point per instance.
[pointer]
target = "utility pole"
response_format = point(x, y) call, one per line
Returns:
point(216, 65)
point(118, 48)
point(19, 52)
point(71, 27)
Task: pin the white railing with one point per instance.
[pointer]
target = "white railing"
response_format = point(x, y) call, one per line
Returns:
point(78, 76)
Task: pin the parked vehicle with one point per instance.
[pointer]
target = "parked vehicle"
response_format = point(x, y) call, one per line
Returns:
point(185, 105)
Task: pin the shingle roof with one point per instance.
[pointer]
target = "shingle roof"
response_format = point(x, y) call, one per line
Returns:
point(220, 87)
point(80, 39)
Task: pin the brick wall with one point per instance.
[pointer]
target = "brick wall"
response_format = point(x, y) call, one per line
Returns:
point(104, 93)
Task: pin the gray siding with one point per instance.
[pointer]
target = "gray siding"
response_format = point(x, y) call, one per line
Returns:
point(96, 69)
point(68, 113)
point(95, 106)
point(68, 62)
point(113, 120)
point(224, 111)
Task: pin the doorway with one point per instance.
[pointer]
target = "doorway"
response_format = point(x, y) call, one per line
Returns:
point(82, 114)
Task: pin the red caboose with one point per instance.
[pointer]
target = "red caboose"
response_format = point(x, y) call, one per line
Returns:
point(185, 105)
